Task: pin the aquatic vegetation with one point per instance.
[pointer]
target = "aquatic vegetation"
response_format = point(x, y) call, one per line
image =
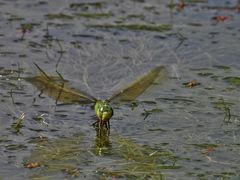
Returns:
point(93, 15)
point(18, 124)
point(233, 80)
point(68, 155)
point(86, 4)
point(206, 145)
point(40, 119)
point(222, 67)
point(9, 72)
point(15, 18)
point(59, 16)
point(226, 108)
point(186, 100)
point(139, 162)
point(205, 74)
point(143, 27)
point(197, 47)
point(139, 16)
point(146, 113)
point(27, 27)
point(61, 155)
point(149, 8)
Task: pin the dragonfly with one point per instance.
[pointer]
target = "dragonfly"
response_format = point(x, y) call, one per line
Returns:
point(58, 89)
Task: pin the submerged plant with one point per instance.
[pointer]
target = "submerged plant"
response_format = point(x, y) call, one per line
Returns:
point(139, 162)
point(40, 119)
point(233, 80)
point(146, 113)
point(18, 124)
point(226, 108)
point(61, 155)
point(126, 158)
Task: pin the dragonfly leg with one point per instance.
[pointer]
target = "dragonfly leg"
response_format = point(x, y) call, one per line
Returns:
point(108, 126)
point(96, 122)
point(100, 124)
point(99, 128)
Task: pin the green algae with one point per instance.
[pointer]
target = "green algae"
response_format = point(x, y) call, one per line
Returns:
point(206, 145)
point(93, 15)
point(224, 106)
point(233, 80)
point(139, 162)
point(137, 16)
point(67, 155)
point(61, 155)
point(146, 113)
point(221, 67)
point(18, 124)
point(141, 27)
point(205, 74)
point(59, 16)
point(27, 27)
point(15, 18)
point(86, 4)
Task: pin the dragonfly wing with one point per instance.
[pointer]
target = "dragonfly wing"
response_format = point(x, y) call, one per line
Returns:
point(58, 89)
point(134, 89)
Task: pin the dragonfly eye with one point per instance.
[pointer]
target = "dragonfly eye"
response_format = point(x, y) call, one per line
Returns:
point(101, 109)
point(104, 108)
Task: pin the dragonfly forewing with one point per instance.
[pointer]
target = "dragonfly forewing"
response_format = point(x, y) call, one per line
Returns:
point(58, 89)
point(137, 87)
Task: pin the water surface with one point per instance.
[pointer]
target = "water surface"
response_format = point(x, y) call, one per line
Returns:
point(177, 131)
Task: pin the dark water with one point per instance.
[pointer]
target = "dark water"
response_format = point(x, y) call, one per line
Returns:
point(181, 132)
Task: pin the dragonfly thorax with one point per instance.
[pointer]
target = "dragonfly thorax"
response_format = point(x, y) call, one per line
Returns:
point(103, 110)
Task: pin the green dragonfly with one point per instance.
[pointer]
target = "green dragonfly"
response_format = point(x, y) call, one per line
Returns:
point(58, 89)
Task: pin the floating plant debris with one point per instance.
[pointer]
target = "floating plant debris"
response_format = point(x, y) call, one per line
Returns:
point(191, 84)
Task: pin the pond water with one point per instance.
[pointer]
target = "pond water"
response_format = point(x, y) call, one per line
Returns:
point(186, 126)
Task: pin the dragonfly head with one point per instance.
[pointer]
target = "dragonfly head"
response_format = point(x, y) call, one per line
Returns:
point(103, 110)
